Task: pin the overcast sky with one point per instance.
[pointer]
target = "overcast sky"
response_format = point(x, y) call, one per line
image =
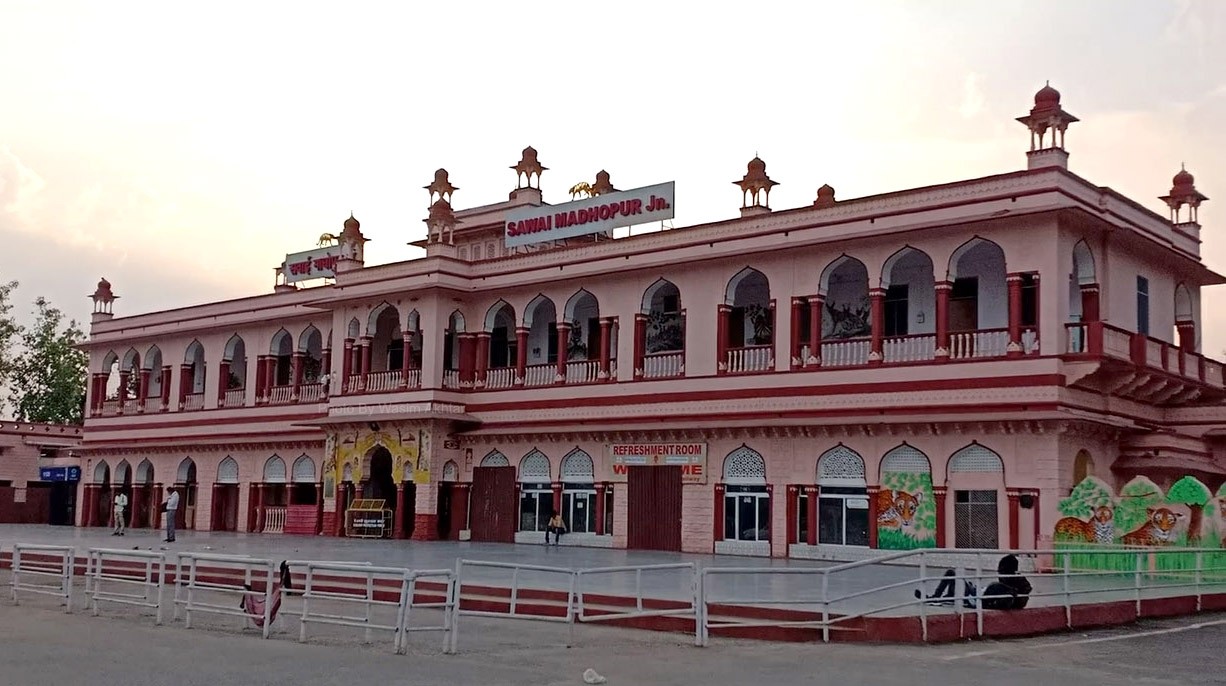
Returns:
point(181, 150)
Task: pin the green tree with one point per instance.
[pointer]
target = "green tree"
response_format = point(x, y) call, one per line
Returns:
point(1191, 492)
point(1135, 497)
point(52, 369)
point(9, 332)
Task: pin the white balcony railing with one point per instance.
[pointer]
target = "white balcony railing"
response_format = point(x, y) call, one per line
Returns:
point(310, 392)
point(131, 406)
point(916, 348)
point(274, 520)
point(381, 382)
point(846, 353)
point(582, 371)
point(451, 378)
point(664, 365)
point(110, 408)
point(540, 374)
point(235, 397)
point(753, 358)
point(500, 377)
point(966, 345)
point(280, 395)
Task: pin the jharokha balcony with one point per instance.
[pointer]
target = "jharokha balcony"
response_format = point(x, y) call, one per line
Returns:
point(1138, 367)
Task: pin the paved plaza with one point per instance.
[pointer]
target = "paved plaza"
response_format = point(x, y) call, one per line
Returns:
point(39, 644)
point(780, 590)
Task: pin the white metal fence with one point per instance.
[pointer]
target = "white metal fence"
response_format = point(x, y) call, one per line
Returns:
point(32, 563)
point(220, 576)
point(108, 570)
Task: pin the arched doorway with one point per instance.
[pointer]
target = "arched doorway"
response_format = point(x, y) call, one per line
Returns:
point(102, 501)
point(379, 480)
point(186, 483)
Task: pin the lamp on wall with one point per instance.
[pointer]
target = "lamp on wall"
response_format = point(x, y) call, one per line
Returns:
point(1026, 501)
point(919, 318)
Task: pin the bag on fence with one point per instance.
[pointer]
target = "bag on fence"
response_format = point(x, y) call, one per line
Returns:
point(253, 605)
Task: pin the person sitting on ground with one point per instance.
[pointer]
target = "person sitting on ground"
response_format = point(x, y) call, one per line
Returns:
point(944, 595)
point(1011, 591)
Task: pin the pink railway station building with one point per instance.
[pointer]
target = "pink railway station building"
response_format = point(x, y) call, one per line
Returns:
point(937, 366)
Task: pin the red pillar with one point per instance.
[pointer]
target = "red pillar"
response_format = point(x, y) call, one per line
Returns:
point(260, 391)
point(719, 512)
point(1037, 510)
point(185, 382)
point(93, 393)
point(296, 369)
point(468, 359)
point(215, 523)
point(365, 352)
point(482, 361)
point(1014, 518)
point(223, 382)
point(270, 374)
point(938, 495)
point(640, 343)
point(459, 507)
point(798, 305)
point(1038, 303)
point(792, 509)
point(877, 304)
point(872, 515)
point(123, 390)
point(253, 506)
point(722, 313)
point(1089, 302)
point(260, 514)
point(563, 341)
point(326, 366)
point(1014, 284)
point(398, 525)
point(817, 306)
point(521, 355)
point(342, 491)
point(87, 506)
point(166, 376)
point(143, 391)
point(156, 505)
point(606, 352)
point(319, 509)
point(346, 364)
point(600, 509)
point(557, 497)
point(1187, 335)
point(943, 289)
point(814, 492)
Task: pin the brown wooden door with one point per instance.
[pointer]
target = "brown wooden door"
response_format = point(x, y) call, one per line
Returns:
point(653, 508)
point(443, 509)
point(495, 504)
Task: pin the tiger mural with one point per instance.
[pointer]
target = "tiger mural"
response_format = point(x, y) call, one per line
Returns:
point(1158, 529)
point(896, 509)
point(1099, 529)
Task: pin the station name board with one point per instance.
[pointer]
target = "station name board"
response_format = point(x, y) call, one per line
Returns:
point(599, 214)
point(312, 264)
point(691, 457)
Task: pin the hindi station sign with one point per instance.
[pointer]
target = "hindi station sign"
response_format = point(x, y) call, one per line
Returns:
point(312, 264)
point(599, 214)
point(691, 457)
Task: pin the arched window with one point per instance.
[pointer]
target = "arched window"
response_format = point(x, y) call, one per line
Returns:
point(746, 500)
point(578, 492)
point(842, 504)
point(304, 470)
point(495, 459)
point(536, 493)
point(976, 475)
point(274, 470)
point(227, 471)
point(451, 470)
point(1083, 466)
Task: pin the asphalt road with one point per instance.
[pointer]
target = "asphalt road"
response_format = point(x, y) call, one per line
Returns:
point(40, 645)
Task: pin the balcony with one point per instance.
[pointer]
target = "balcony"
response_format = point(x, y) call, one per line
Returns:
point(110, 408)
point(193, 401)
point(750, 359)
point(235, 397)
point(280, 395)
point(311, 393)
point(1135, 366)
point(665, 365)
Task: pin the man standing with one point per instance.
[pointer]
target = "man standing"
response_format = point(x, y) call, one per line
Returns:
point(171, 506)
point(121, 505)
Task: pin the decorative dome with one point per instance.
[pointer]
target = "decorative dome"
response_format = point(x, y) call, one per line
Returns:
point(352, 224)
point(756, 167)
point(1183, 178)
point(1047, 97)
point(104, 286)
point(825, 196)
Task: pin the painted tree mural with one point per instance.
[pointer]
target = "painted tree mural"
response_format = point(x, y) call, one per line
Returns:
point(1089, 495)
point(1136, 497)
point(1195, 495)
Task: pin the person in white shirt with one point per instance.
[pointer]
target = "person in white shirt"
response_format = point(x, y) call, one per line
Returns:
point(121, 506)
point(171, 506)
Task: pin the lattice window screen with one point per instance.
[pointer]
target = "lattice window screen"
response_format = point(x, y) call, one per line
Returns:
point(976, 458)
point(534, 467)
point(577, 467)
point(451, 471)
point(227, 471)
point(495, 459)
point(121, 471)
point(185, 470)
point(101, 472)
point(144, 472)
point(976, 523)
point(840, 462)
point(744, 466)
point(274, 470)
point(907, 460)
point(304, 470)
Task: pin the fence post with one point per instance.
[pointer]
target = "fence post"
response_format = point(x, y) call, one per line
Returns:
point(1137, 582)
point(15, 580)
point(979, 590)
point(1068, 599)
point(1200, 566)
point(825, 607)
point(268, 600)
point(923, 604)
point(570, 609)
point(696, 586)
point(453, 592)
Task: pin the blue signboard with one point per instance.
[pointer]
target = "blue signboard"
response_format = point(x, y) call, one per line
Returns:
point(59, 473)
